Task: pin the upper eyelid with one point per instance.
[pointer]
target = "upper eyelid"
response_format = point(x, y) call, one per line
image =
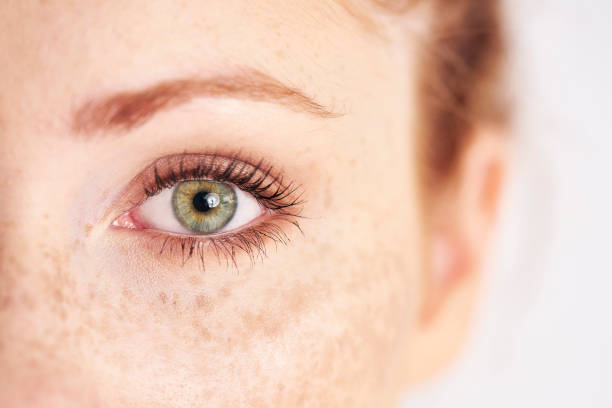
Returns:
point(257, 177)
point(215, 167)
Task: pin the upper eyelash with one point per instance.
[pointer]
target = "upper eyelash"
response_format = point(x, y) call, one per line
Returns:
point(258, 180)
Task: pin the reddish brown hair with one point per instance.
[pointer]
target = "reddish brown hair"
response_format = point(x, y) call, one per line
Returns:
point(460, 74)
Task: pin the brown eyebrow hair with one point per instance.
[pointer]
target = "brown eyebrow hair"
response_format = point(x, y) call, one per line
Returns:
point(124, 111)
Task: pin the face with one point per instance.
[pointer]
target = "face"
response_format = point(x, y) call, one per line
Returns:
point(206, 205)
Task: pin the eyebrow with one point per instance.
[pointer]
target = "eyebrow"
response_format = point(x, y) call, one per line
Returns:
point(124, 111)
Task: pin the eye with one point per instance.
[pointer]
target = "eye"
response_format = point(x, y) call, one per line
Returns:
point(198, 207)
point(207, 206)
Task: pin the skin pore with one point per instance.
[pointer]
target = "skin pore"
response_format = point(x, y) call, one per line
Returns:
point(92, 315)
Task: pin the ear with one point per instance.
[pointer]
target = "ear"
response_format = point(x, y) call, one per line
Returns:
point(456, 240)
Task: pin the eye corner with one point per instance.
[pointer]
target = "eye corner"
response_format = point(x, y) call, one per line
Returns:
point(127, 221)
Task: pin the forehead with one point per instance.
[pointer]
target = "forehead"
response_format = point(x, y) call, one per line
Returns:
point(140, 25)
point(107, 45)
point(169, 21)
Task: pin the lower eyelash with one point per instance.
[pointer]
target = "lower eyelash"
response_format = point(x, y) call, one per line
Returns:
point(251, 242)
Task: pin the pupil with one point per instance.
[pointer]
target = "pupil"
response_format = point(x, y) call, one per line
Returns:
point(202, 202)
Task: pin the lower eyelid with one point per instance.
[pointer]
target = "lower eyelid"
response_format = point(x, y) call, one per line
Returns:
point(227, 251)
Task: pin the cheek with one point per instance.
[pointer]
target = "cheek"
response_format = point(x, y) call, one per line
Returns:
point(41, 319)
point(45, 315)
point(364, 249)
point(284, 333)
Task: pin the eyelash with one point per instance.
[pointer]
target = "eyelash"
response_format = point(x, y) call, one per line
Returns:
point(257, 181)
point(283, 201)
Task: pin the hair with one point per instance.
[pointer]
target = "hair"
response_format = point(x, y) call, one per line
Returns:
point(459, 78)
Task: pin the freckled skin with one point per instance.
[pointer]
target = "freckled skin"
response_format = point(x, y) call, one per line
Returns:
point(88, 320)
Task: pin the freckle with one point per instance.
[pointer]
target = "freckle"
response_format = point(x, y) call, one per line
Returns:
point(58, 295)
point(252, 322)
point(272, 328)
point(257, 402)
point(163, 297)
point(204, 303)
point(5, 302)
point(296, 304)
point(120, 314)
point(75, 244)
point(205, 334)
point(127, 294)
point(225, 292)
point(88, 229)
point(195, 280)
point(202, 331)
point(92, 292)
point(229, 344)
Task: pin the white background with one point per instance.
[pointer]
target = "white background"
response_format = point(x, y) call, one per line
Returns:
point(543, 337)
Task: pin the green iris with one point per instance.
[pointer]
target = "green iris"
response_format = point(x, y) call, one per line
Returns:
point(204, 206)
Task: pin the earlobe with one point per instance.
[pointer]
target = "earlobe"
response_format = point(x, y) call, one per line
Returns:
point(448, 262)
